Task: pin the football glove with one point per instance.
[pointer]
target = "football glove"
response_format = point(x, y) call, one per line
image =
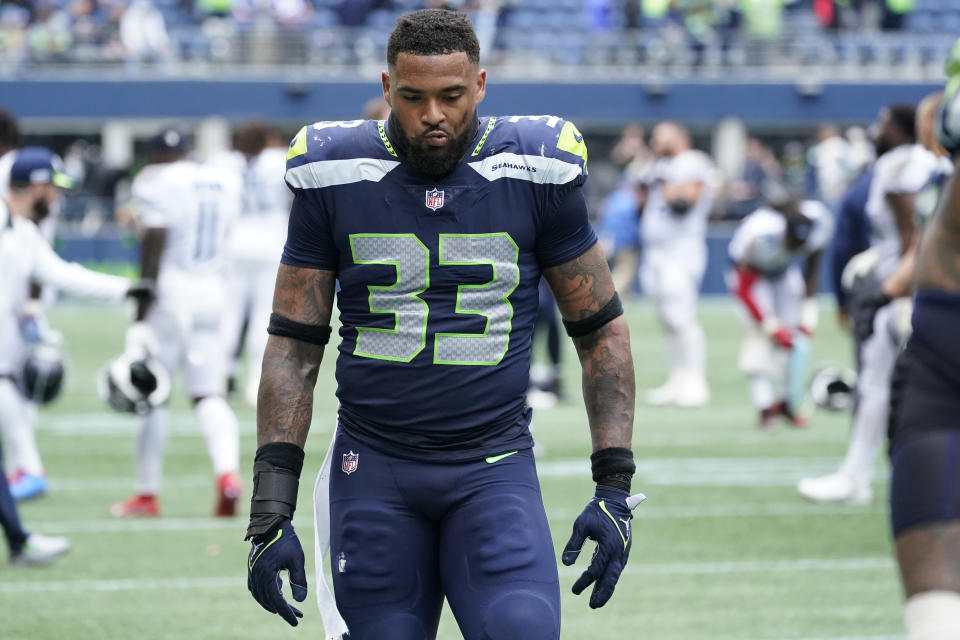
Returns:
point(605, 519)
point(866, 298)
point(270, 554)
point(143, 290)
point(140, 342)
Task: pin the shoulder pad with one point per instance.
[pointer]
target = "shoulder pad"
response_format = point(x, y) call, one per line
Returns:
point(548, 136)
point(359, 149)
point(337, 140)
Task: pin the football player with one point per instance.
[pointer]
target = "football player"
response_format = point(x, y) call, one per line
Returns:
point(26, 257)
point(880, 305)
point(779, 300)
point(673, 232)
point(186, 210)
point(256, 242)
point(438, 225)
point(924, 440)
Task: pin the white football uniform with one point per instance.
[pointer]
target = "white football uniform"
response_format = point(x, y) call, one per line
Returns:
point(905, 169)
point(674, 260)
point(759, 245)
point(771, 289)
point(6, 161)
point(26, 256)
point(255, 248)
point(197, 205)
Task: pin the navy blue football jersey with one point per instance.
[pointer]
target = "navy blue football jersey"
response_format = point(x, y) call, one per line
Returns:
point(438, 280)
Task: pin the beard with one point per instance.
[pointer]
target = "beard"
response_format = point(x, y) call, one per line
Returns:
point(40, 211)
point(435, 164)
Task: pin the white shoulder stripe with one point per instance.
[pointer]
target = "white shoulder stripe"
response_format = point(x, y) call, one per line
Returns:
point(539, 169)
point(330, 173)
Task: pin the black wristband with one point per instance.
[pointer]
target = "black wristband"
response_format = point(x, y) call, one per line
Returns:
point(586, 326)
point(318, 334)
point(613, 467)
point(276, 479)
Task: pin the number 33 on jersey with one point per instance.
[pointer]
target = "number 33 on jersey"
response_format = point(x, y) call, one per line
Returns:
point(438, 280)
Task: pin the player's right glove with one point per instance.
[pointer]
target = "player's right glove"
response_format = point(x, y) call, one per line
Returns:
point(866, 298)
point(270, 554)
point(606, 519)
point(276, 478)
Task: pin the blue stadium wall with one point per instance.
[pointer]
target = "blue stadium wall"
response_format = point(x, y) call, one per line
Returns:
point(590, 103)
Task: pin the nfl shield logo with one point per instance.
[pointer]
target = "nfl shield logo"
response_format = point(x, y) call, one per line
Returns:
point(349, 464)
point(434, 199)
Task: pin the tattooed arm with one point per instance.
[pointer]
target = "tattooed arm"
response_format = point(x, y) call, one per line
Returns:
point(582, 287)
point(285, 400)
point(939, 261)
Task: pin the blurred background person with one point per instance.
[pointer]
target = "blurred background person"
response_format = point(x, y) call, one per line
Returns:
point(673, 230)
point(778, 298)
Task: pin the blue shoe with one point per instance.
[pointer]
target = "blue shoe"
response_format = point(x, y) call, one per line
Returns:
point(26, 486)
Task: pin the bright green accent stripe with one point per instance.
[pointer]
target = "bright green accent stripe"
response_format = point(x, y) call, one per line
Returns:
point(603, 507)
point(277, 537)
point(571, 141)
point(63, 181)
point(299, 145)
point(483, 139)
point(500, 457)
point(385, 139)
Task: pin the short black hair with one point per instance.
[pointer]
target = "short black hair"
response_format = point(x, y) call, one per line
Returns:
point(9, 131)
point(904, 117)
point(433, 32)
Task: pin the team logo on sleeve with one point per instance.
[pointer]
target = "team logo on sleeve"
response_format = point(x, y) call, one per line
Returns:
point(434, 199)
point(350, 461)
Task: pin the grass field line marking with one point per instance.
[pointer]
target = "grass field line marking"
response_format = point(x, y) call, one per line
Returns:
point(558, 514)
point(675, 569)
point(139, 584)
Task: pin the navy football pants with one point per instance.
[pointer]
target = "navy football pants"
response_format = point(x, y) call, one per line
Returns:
point(404, 534)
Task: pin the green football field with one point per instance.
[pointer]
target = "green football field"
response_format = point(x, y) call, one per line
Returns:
point(724, 548)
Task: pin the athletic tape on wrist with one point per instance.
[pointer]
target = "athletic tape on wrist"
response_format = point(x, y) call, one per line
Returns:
point(318, 334)
point(613, 467)
point(276, 480)
point(609, 311)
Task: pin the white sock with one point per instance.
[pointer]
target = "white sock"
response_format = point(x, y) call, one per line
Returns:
point(761, 391)
point(16, 425)
point(933, 615)
point(221, 431)
point(151, 444)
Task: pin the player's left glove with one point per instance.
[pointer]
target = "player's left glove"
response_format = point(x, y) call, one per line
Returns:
point(606, 519)
point(270, 554)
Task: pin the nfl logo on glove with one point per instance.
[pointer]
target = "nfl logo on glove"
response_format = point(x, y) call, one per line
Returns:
point(349, 464)
point(434, 199)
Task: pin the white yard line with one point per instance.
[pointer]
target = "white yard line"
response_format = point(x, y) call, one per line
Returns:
point(666, 569)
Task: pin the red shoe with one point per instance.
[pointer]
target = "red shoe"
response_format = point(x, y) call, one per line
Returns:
point(769, 415)
point(796, 420)
point(136, 506)
point(229, 489)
